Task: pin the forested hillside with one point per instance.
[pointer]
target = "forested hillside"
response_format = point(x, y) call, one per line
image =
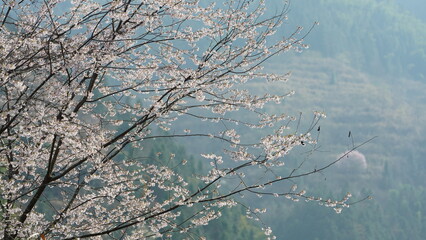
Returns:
point(395, 170)
point(416, 7)
point(374, 36)
point(366, 69)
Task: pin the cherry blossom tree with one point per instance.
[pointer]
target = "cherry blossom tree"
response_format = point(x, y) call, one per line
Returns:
point(82, 81)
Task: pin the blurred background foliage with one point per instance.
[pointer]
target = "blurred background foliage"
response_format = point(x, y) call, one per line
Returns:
point(366, 68)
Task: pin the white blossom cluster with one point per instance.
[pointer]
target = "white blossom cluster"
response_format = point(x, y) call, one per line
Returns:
point(82, 81)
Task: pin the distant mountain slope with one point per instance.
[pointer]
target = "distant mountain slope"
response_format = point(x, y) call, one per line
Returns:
point(357, 101)
point(366, 68)
point(416, 7)
point(377, 36)
point(367, 106)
